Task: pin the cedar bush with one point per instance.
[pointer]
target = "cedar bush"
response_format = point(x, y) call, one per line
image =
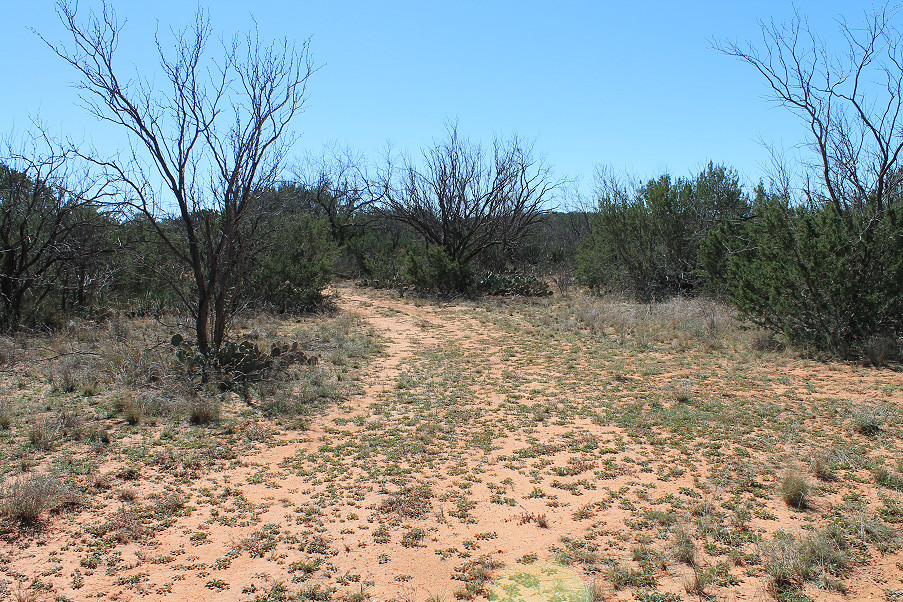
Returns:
point(289, 275)
point(827, 282)
point(644, 242)
point(432, 272)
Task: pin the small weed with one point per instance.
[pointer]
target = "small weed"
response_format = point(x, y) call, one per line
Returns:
point(476, 575)
point(621, 577)
point(311, 592)
point(411, 501)
point(413, 537)
point(651, 595)
point(217, 584)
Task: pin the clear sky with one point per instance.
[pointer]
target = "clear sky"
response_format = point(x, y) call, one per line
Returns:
point(632, 85)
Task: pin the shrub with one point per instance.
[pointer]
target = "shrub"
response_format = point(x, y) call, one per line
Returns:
point(294, 268)
point(433, 272)
point(825, 282)
point(879, 350)
point(375, 253)
point(238, 364)
point(644, 242)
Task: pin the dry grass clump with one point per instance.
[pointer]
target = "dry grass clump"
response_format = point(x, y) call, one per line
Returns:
point(825, 557)
point(134, 522)
point(822, 558)
point(871, 530)
point(9, 354)
point(595, 591)
point(138, 353)
point(137, 407)
point(340, 338)
point(27, 497)
point(680, 320)
point(890, 479)
point(684, 548)
point(795, 490)
point(48, 431)
point(411, 501)
point(823, 467)
point(75, 374)
point(703, 578)
point(766, 342)
point(879, 350)
point(682, 392)
point(6, 415)
point(869, 420)
point(204, 410)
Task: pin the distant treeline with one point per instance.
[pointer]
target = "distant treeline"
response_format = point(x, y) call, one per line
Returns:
point(822, 280)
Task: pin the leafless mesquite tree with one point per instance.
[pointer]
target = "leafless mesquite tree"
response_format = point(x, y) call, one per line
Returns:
point(467, 200)
point(48, 220)
point(205, 146)
point(341, 189)
point(852, 105)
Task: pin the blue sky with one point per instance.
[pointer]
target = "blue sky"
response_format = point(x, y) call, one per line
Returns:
point(635, 86)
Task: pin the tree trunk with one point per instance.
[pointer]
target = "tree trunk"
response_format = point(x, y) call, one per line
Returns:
point(203, 317)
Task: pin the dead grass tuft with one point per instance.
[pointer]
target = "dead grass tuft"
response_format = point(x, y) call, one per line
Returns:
point(411, 501)
point(679, 322)
point(684, 548)
point(795, 491)
point(27, 497)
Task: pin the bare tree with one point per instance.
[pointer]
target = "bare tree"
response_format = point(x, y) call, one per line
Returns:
point(339, 188)
point(851, 104)
point(48, 221)
point(205, 147)
point(466, 200)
